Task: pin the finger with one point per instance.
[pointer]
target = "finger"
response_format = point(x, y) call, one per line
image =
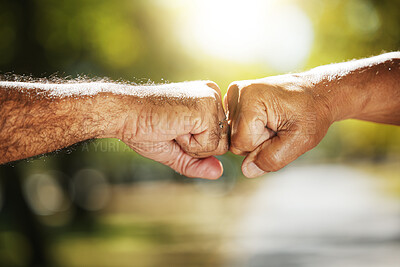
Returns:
point(248, 130)
point(214, 86)
point(199, 145)
point(248, 120)
point(171, 154)
point(209, 143)
point(276, 153)
point(214, 139)
point(207, 168)
point(231, 100)
point(224, 130)
point(220, 108)
point(223, 145)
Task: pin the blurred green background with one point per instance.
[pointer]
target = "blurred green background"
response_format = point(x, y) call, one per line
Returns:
point(98, 203)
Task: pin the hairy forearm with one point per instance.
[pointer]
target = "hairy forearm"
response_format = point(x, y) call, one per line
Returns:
point(367, 89)
point(37, 118)
point(40, 118)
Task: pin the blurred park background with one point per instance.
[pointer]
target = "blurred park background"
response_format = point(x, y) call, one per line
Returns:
point(100, 204)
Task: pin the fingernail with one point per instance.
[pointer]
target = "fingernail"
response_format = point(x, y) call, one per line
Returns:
point(252, 170)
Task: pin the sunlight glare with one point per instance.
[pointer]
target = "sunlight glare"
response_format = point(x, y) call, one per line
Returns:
point(253, 31)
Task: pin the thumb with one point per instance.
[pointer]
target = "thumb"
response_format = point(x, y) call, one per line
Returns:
point(275, 153)
point(171, 154)
point(208, 168)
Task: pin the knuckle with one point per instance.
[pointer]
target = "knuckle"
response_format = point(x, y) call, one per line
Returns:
point(233, 85)
point(214, 86)
point(216, 97)
point(233, 90)
point(245, 89)
point(213, 91)
point(250, 91)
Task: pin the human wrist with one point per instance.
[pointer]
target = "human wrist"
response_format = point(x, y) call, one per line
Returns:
point(357, 89)
point(334, 92)
point(110, 113)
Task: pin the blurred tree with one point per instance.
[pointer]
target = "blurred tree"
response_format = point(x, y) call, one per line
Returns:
point(16, 215)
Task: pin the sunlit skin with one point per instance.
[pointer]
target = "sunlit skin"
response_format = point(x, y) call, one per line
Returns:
point(276, 119)
point(273, 120)
point(180, 125)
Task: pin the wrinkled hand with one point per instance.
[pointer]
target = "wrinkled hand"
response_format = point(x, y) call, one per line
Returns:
point(274, 121)
point(181, 125)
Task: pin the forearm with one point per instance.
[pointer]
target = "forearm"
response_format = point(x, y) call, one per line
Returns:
point(367, 89)
point(40, 118)
point(37, 118)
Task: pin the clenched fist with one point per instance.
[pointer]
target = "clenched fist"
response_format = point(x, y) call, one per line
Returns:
point(273, 121)
point(276, 119)
point(181, 125)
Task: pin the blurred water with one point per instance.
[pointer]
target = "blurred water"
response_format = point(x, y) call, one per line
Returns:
point(318, 216)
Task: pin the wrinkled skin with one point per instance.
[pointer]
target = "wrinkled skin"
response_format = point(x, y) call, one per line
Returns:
point(276, 119)
point(181, 125)
point(273, 121)
point(183, 134)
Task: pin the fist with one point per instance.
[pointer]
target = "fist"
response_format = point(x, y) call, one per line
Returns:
point(274, 120)
point(182, 125)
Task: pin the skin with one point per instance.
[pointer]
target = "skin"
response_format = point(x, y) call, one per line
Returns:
point(180, 125)
point(276, 119)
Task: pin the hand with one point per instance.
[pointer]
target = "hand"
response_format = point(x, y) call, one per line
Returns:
point(180, 125)
point(274, 121)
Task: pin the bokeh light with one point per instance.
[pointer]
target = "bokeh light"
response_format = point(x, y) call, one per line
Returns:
point(44, 193)
point(90, 189)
